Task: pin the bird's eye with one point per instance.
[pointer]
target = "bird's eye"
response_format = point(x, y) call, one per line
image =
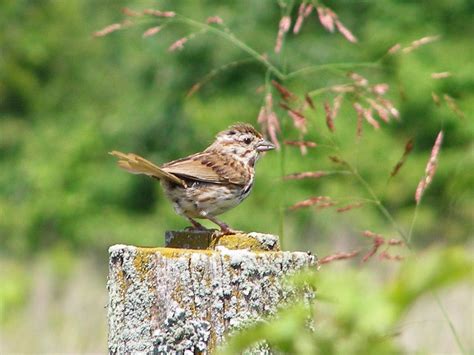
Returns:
point(247, 140)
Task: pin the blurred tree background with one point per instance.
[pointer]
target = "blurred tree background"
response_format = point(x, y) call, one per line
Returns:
point(67, 98)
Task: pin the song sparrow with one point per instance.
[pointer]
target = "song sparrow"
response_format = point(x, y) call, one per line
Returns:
point(206, 184)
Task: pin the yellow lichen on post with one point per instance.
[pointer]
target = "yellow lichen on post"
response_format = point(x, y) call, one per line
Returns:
point(210, 239)
point(141, 262)
point(172, 252)
point(237, 241)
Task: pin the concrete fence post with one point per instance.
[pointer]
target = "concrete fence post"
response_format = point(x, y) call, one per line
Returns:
point(186, 297)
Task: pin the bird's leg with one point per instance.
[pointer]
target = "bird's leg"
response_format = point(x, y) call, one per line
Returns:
point(196, 225)
point(225, 229)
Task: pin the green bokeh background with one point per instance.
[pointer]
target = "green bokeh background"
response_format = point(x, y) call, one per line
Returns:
point(67, 98)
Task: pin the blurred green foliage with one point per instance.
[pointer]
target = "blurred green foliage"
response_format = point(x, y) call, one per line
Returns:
point(352, 312)
point(67, 98)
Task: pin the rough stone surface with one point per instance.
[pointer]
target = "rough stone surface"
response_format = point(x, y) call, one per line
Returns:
point(168, 300)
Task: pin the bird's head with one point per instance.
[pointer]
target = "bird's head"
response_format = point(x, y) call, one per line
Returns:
point(242, 141)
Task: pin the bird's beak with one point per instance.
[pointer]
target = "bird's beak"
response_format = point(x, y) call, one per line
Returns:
point(263, 146)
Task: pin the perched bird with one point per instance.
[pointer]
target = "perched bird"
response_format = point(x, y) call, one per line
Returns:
point(207, 184)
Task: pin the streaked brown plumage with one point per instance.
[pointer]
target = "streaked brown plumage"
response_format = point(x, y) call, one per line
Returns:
point(206, 184)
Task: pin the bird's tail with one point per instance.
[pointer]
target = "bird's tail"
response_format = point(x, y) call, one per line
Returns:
point(137, 165)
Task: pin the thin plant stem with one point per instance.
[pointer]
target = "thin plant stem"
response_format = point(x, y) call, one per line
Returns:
point(285, 11)
point(331, 66)
point(282, 200)
point(379, 204)
point(355, 199)
point(450, 323)
point(325, 89)
point(234, 40)
point(412, 225)
point(213, 73)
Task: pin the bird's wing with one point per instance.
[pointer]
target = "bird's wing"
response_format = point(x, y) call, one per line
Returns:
point(210, 167)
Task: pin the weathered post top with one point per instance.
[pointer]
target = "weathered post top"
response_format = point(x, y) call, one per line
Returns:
point(212, 239)
point(186, 297)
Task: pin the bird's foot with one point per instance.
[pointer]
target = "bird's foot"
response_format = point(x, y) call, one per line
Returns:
point(226, 230)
